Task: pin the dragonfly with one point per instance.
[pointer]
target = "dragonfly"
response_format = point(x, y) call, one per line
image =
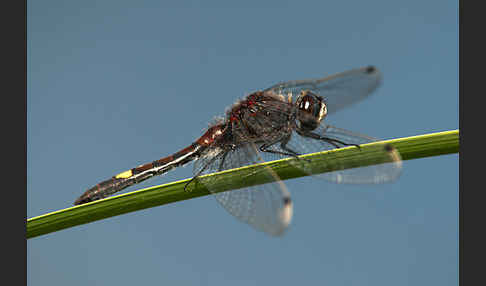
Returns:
point(284, 120)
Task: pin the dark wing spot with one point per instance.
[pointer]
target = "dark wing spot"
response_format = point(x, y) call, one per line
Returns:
point(389, 148)
point(370, 69)
point(287, 201)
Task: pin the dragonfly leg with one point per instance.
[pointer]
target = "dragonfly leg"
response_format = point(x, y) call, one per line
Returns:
point(283, 145)
point(334, 142)
point(283, 142)
point(220, 168)
point(205, 167)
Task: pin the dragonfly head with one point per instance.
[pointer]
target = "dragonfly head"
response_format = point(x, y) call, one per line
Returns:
point(311, 110)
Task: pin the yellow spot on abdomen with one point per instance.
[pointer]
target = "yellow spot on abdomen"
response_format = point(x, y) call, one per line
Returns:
point(124, 175)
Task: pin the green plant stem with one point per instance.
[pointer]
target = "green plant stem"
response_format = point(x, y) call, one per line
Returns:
point(427, 145)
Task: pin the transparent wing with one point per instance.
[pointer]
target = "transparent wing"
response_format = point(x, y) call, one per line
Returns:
point(267, 207)
point(371, 174)
point(339, 90)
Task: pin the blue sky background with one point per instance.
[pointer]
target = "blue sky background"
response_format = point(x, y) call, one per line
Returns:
point(114, 84)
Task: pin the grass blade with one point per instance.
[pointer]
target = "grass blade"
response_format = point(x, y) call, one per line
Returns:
point(427, 145)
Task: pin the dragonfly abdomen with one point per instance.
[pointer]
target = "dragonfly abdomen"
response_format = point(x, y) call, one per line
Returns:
point(103, 190)
point(139, 174)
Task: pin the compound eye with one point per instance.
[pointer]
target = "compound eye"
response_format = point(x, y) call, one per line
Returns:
point(305, 104)
point(310, 103)
point(311, 110)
